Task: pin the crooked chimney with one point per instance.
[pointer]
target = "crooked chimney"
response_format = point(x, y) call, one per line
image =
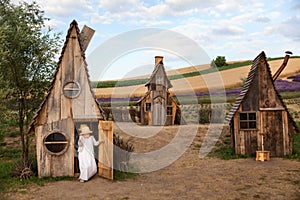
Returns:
point(158, 59)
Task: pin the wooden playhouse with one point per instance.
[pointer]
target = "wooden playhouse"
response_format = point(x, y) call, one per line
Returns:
point(259, 119)
point(157, 107)
point(70, 102)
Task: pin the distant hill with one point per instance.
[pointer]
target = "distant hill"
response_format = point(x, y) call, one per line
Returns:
point(195, 78)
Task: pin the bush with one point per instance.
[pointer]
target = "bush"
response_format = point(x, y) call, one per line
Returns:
point(220, 61)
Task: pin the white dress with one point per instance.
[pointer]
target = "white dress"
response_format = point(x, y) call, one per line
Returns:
point(87, 163)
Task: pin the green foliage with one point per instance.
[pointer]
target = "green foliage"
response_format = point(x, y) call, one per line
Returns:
point(226, 153)
point(281, 58)
point(27, 62)
point(220, 61)
point(121, 176)
point(296, 145)
point(10, 154)
point(6, 179)
point(107, 84)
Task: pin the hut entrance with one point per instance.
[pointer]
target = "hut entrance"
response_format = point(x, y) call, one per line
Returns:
point(93, 125)
point(273, 132)
point(103, 131)
point(159, 112)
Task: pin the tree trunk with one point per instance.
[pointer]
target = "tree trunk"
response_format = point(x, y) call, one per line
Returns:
point(24, 138)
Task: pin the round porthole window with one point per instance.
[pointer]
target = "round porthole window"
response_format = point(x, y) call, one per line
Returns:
point(56, 143)
point(71, 89)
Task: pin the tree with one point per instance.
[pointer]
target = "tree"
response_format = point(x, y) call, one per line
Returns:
point(27, 62)
point(220, 61)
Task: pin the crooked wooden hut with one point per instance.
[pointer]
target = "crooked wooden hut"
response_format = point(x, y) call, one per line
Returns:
point(259, 119)
point(157, 107)
point(70, 103)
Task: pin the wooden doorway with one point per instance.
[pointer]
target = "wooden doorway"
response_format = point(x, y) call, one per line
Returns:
point(272, 128)
point(159, 112)
point(92, 123)
point(105, 155)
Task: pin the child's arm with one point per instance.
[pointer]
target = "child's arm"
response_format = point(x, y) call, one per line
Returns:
point(96, 143)
point(79, 141)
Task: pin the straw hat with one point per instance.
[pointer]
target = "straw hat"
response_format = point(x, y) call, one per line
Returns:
point(85, 130)
point(81, 126)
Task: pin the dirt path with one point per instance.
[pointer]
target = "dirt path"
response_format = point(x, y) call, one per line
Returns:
point(187, 178)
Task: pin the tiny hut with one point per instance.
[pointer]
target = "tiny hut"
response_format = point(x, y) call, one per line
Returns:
point(259, 119)
point(69, 104)
point(157, 107)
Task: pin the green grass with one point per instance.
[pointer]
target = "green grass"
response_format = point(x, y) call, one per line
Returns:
point(226, 153)
point(290, 95)
point(6, 179)
point(121, 176)
point(296, 145)
point(10, 154)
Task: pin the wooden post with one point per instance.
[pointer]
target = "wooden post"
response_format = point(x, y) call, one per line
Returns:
point(262, 155)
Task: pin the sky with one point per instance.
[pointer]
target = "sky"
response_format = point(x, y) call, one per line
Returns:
point(236, 29)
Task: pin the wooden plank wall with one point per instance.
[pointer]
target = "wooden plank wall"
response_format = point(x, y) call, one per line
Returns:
point(51, 164)
point(58, 111)
point(105, 158)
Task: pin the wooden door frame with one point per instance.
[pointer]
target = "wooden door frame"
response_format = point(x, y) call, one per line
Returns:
point(273, 134)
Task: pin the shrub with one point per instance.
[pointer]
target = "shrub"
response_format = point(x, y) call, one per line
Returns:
point(220, 61)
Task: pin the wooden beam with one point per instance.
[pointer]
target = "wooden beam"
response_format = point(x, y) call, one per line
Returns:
point(86, 35)
point(272, 109)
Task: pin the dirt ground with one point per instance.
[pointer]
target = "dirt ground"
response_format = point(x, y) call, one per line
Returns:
point(189, 177)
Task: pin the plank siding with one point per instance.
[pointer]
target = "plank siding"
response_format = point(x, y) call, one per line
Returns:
point(105, 158)
point(159, 97)
point(58, 111)
point(50, 164)
point(273, 121)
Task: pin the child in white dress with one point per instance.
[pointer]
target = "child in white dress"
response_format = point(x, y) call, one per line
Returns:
point(86, 155)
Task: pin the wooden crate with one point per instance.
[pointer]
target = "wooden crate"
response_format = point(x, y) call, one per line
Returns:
point(263, 155)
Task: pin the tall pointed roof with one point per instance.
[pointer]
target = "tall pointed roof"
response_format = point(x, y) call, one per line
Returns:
point(73, 25)
point(159, 66)
point(250, 79)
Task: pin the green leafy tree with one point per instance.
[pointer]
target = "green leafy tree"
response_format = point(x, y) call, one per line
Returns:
point(27, 62)
point(220, 61)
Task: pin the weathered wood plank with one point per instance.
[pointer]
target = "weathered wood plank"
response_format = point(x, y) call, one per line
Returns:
point(86, 35)
point(105, 155)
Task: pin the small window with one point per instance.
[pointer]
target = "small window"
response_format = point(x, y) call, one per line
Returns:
point(56, 143)
point(148, 107)
point(169, 110)
point(153, 86)
point(248, 120)
point(71, 89)
point(159, 80)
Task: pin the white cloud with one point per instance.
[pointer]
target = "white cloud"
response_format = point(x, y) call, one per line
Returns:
point(262, 19)
point(296, 7)
point(179, 5)
point(119, 5)
point(54, 23)
point(287, 28)
point(65, 8)
point(228, 31)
